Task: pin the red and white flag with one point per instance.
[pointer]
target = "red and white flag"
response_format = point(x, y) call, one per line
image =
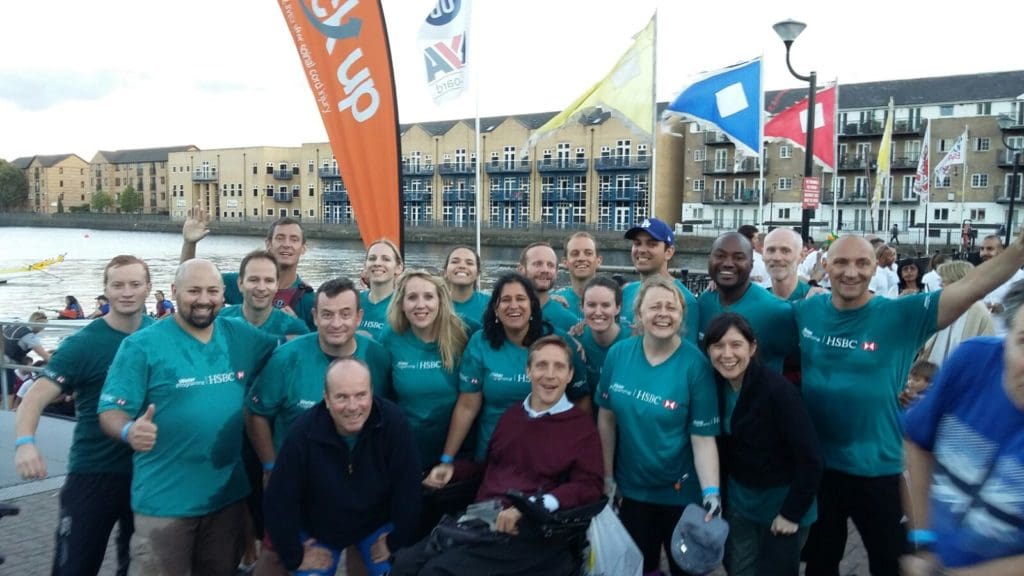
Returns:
point(954, 156)
point(791, 124)
point(922, 183)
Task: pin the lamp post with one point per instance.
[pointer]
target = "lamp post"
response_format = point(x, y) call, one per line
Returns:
point(1014, 188)
point(788, 30)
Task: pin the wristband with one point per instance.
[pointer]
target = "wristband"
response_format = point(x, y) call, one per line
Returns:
point(921, 537)
point(22, 440)
point(124, 431)
point(446, 459)
point(268, 466)
point(711, 491)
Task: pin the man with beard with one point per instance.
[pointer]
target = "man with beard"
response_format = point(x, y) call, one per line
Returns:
point(729, 265)
point(257, 281)
point(782, 257)
point(285, 240)
point(539, 264)
point(653, 248)
point(97, 491)
point(582, 260)
point(174, 394)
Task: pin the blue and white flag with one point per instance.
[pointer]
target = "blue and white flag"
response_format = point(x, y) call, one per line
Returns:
point(730, 99)
point(442, 40)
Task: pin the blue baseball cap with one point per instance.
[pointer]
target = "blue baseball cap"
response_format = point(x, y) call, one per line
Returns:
point(655, 227)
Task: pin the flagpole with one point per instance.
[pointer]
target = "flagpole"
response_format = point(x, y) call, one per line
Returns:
point(887, 183)
point(654, 120)
point(928, 175)
point(760, 149)
point(835, 160)
point(479, 152)
point(963, 181)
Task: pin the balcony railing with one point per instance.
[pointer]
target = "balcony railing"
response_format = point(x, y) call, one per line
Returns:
point(336, 197)
point(509, 196)
point(458, 167)
point(209, 175)
point(330, 173)
point(856, 163)
point(416, 195)
point(282, 196)
point(714, 167)
point(282, 174)
point(623, 194)
point(522, 166)
point(904, 163)
point(714, 137)
point(1005, 158)
point(460, 196)
point(562, 165)
point(869, 128)
point(414, 169)
point(906, 126)
point(749, 165)
point(746, 166)
point(623, 163)
point(565, 195)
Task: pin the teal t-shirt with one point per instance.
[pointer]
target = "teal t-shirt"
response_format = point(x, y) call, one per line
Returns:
point(424, 390)
point(303, 311)
point(800, 292)
point(293, 380)
point(375, 316)
point(501, 376)
point(195, 467)
point(279, 324)
point(472, 311)
point(79, 366)
point(595, 354)
point(657, 409)
point(691, 320)
point(574, 301)
point(855, 363)
point(772, 319)
point(558, 316)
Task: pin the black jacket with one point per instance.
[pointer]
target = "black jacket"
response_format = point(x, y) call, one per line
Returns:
point(321, 489)
point(772, 441)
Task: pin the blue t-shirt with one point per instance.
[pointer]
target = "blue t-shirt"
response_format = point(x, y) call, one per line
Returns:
point(772, 319)
point(279, 323)
point(976, 436)
point(375, 315)
point(472, 311)
point(691, 317)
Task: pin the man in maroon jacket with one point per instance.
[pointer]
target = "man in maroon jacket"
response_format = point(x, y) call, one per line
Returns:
point(544, 447)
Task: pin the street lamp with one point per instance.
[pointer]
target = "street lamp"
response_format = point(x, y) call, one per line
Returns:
point(788, 30)
point(1005, 122)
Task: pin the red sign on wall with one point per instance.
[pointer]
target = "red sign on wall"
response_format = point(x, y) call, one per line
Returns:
point(812, 192)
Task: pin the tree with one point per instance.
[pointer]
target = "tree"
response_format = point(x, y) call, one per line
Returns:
point(131, 201)
point(13, 187)
point(101, 201)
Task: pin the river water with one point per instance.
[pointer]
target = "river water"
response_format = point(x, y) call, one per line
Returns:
point(87, 251)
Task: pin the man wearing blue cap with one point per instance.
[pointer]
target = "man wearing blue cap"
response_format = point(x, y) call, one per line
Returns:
point(653, 248)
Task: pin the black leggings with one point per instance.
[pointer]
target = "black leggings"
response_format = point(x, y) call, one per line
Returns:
point(651, 526)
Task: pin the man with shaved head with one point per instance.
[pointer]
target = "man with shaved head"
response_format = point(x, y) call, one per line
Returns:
point(729, 265)
point(174, 395)
point(782, 248)
point(856, 350)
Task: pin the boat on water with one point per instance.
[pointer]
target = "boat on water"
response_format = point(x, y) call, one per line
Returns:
point(29, 269)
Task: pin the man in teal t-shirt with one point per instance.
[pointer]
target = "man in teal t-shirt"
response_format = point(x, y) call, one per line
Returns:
point(772, 319)
point(183, 381)
point(582, 260)
point(285, 240)
point(540, 266)
point(97, 489)
point(856, 351)
point(257, 280)
point(782, 250)
point(653, 248)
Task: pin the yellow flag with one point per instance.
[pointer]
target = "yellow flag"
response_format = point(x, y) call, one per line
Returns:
point(627, 91)
point(884, 153)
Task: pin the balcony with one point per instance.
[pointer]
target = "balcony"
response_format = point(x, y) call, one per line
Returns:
point(1004, 158)
point(330, 173)
point(869, 128)
point(459, 196)
point(749, 165)
point(416, 169)
point(336, 197)
point(282, 174)
point(713, 167)
point(713, 137)
point(624, 194)
point(509, 196)
point(622, 163)
point(856, 163)
point(904, 163)
point(562, 165)
point(1001, 194)
point(906, 127)
point(508, 166)
point(416, 196)
point(208, 175)
point(564, 195)
point(458, 167)
point(282, 196)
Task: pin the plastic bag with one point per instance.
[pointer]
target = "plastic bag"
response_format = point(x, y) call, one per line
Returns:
point(612, 551)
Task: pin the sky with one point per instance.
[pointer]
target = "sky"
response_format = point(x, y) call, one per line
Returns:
point(77, 77)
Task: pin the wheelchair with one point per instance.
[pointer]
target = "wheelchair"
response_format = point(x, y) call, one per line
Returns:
point(568, 526)
point(7, 510)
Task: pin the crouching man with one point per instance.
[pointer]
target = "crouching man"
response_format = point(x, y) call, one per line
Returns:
point(544, 447)
point(347, 474)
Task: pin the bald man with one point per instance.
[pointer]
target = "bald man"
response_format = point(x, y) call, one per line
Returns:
point(856, 351)
point(782, 251)
point(174, 394)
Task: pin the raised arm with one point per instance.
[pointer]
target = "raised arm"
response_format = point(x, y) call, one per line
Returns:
point(195, 228)
point(958, 296)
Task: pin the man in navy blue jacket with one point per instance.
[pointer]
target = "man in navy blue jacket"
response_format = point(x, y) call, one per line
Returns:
point(348, 473)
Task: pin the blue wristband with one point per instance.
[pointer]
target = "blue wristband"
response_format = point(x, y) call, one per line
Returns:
point(22, 440)
point(124, 431)
point(446, 459)
point(921, 537)
point(711, 491)
point(268, 466)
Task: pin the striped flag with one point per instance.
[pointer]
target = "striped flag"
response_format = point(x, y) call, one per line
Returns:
point(922, 183)
point(953, 157)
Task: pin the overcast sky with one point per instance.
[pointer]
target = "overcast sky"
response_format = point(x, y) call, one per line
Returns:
point(82, 76)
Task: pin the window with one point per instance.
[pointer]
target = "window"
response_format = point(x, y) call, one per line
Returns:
point(984, 109)
point(979, 180)
point(940, 214)
point(943, 144)
point(840, 187)
point(783, 213)
point(270, 211)
point(312, 190)
point(982, 144)
point(270, 167)
point(255, 211)
point(255, 193)
point(978, 214)
point(296, 212)
point(312, 166)
point(946, 110)
point(719, 189)
point(785, 151)
point(641, 151)
point(295, 168)
point(698, 185)
point(860, 187)
point(942, 181)
point(312, 213)
point(699, 155)
point(784, 184)
point(255, 168)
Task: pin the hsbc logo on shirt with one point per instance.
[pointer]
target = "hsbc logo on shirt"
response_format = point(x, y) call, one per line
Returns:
point(845, 343)
point(869, 346)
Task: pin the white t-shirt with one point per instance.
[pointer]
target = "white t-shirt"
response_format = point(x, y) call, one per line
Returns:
point(996, 297)
point(932, 281)
point(885, 283)
point(759, 272)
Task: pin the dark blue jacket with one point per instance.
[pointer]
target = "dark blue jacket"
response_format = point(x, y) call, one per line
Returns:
point(339, 497)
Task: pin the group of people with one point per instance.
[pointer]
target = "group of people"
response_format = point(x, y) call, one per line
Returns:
point(320, 421)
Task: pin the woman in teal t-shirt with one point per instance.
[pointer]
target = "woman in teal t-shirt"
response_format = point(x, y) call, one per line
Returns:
point(658, 419)
point(383, 265)
point(769, 452)
point(462, 273)
point(602, 302)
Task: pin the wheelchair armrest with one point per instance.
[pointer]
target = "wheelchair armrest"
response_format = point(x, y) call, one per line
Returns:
point(567, 522)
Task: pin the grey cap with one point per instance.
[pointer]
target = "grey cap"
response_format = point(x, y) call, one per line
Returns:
point(698, 546)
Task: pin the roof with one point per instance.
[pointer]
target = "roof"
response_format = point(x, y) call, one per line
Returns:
point(22, 162)
point(46, 160)
point(143, 154)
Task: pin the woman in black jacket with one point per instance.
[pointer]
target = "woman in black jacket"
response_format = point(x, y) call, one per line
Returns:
point(769, 453)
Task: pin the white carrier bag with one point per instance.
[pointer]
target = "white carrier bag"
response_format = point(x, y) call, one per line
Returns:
point(611, 552)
